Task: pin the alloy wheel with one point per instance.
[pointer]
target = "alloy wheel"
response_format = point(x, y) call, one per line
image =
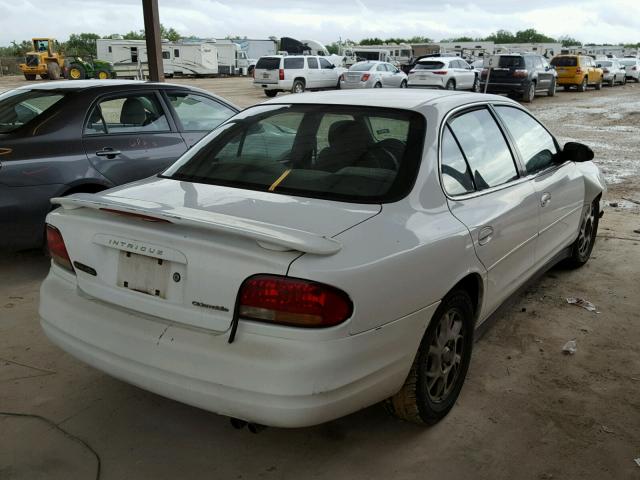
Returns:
point(444, 357)
point(585, 237)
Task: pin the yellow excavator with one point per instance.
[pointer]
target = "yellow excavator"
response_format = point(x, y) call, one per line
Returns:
point(43, 61)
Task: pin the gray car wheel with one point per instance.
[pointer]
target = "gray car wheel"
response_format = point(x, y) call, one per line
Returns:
point(552, 88)
point(530, 93)
point(451, 85)
point(403, 84)
point(298, 87)
point(582, 247)
point(377, 85)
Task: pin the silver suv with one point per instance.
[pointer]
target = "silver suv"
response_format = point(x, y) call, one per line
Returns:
point(295, 73)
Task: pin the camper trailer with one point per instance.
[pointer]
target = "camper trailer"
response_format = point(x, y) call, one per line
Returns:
point(398, 54)
point(129, 57)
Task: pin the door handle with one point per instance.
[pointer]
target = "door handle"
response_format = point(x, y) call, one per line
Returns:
point(485, 235)
point(545, 199)
point(108, 152)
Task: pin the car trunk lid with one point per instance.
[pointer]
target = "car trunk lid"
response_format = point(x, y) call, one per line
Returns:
point(184, 256)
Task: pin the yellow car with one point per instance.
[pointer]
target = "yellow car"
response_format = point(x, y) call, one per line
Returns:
point(577, 71)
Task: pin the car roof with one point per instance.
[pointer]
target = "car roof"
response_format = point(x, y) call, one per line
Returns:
point(407, 99)
point(439, 59)
point(75, 85)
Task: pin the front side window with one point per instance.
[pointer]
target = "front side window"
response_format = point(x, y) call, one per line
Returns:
point(381, 68)
point(536, 146)
point(324, 63)
point(19, 107)
point(198, 113)
point(484, 147)
point(342, 153)
point(127, 114)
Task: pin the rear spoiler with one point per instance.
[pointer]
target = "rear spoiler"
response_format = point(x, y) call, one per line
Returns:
point(271, 237)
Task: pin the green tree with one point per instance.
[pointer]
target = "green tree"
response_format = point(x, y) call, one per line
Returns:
point(531, 35)
point(568, 41)
point(81, 44)
point(371, 41)
point(333, 48)
point(459, 39)
point(419, 39)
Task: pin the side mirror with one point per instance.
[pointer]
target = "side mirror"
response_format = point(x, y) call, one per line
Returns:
point(576, 152)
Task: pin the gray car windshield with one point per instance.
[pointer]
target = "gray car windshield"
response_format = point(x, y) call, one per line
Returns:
point(336, 152)
point(19, 107)
point(429, 65)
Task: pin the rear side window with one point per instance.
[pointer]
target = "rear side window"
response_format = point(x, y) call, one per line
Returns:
point(344, 153)
point(268, 63)
point(381, 68)
point(19, 107)
point(294, 63)
point(536, 146)
point(312, 63)
point(198, 113)
point(456, 176)
point(508, 61)
point(485, 148)
point(127, 114)
point(564, 62)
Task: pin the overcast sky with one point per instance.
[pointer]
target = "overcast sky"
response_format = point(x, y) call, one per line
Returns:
point(325, 20)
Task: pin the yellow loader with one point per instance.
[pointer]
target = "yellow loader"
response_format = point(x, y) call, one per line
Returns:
point(43, 61)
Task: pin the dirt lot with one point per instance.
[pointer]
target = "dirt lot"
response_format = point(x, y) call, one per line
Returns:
point(527, 411)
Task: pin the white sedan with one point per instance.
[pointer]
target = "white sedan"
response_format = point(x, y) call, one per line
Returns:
point(319, 253)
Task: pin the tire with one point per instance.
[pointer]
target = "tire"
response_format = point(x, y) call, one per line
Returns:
point(552, 89)
point(250, 70)
point(583, 85)
point(583, 246)
point(624, 80)
point(76, 72)
point(271, 93)
point(476, 85)
point(403, 84)
point(377, 85)
point(418, 401)
point(451, 85)
point(29, 77)
point(44, 76)
point(599, 84)
point(637, 79)
point(297, 87)
point(53, 70)
point(566, 88)
point(102, 74)
point(612, 82)
point(530, 93)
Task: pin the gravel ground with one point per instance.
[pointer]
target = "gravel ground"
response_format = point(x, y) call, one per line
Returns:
point(526, 411)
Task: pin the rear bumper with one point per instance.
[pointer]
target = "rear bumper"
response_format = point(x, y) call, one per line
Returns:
point(355, 85)
point(518, 88)
point(281, 85)
point(22, 214)
point(438, 82)
point(285, 382)
point(577, 80)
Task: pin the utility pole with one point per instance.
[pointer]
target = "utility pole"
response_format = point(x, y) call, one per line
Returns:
point(152, 36)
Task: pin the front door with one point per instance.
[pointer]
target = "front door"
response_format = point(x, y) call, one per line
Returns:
point(130, 136)
point(559, 187)
point(329, 75)
point(487, 194)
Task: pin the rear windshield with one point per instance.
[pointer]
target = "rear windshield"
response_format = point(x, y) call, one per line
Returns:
point(336, 152)
point(564, 61)
point(19, 107)
point(507, 61)
point(362, 67)
point(429, 65)
point(268, 63)
point(294, 63)
point(631, 61)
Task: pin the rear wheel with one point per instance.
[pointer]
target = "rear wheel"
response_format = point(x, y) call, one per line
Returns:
point(53, 70)
point(44, 76)
point(599, 84)
point(476, 84)
point(451, 85)
point(76, 72)
point(298, 87)
point(440, 365)
point(582, 247)
point(403, 84)
point(530, 93)
point(270, 93)
point(612, 82)
point(29, 77)
point(583, 85)
point(102, 74)
point(552, 88)
point(377, 85)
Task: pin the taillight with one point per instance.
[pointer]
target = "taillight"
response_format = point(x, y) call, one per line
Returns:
point(57, 249)
point(281, 74)
point(365, 77)
point(578, 71)
point(292, 301)
point(520, 73)
point(439, 72)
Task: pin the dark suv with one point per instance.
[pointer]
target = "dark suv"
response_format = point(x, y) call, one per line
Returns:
point(520, 74)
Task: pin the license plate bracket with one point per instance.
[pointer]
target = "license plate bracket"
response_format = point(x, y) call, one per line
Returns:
point(143, 274)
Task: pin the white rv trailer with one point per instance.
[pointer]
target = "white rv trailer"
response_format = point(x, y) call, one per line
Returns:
point(398, 54)
point(548, 50)
point(231, 58)
point(129, 57)
point(253, 49)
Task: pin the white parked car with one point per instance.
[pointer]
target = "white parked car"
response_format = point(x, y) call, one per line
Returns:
point(295, 73)
point(320, 253)
point(451, 73)
point(631, 68)
point(612, 72)
point(372, 74)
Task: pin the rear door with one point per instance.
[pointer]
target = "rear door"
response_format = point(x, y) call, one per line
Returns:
point(267, 70)
point(487, 194)
point(559, 187)
point(314, 73)
point(196, 114)
point(130, 136)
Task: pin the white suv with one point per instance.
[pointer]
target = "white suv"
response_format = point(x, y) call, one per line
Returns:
point(295, 73)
